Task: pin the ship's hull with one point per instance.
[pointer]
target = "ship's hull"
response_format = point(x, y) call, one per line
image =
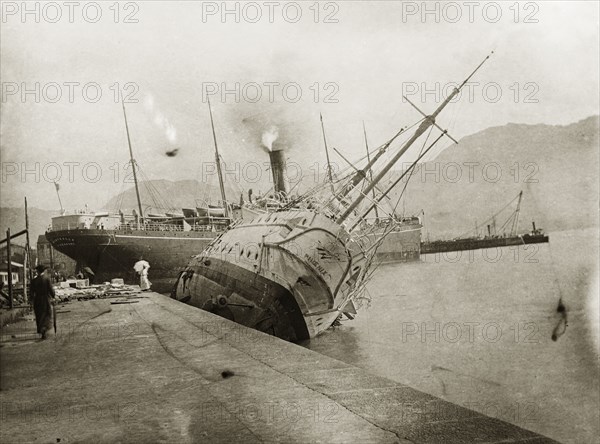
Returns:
point(469, 244)
point(112, 253)
point(535, 238)
point(401, 245)
point(290, 274)
point(253, 300)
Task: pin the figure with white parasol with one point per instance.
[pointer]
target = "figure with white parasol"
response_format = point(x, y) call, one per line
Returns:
point(141, 267)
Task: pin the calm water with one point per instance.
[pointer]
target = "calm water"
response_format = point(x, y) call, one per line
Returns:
point(475, 328)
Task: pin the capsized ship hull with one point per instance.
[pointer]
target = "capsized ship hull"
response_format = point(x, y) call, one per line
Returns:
point(290, 274)
point(254, 272)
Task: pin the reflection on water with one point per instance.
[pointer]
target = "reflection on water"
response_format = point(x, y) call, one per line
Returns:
point(475, 328)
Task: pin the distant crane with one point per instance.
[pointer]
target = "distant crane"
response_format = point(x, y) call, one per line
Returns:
point(515, 224)
point(512, 221)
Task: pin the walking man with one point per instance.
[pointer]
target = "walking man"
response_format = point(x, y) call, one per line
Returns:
point(43, 293)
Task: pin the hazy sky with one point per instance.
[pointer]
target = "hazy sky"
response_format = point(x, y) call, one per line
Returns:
point(362, 56)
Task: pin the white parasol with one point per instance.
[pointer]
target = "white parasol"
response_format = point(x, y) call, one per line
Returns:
point(140, 265)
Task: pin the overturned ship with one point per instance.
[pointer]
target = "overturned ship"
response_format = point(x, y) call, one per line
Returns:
point(293, 272)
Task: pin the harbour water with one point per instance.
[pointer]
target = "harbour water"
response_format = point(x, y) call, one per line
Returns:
point(476, 327)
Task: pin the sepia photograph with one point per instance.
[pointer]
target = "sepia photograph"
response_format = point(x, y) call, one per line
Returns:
point(303, 221)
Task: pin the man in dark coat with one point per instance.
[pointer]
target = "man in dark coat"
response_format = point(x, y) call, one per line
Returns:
point(42, 292)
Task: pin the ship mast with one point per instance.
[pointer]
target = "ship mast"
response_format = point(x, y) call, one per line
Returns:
point(218, 161)
point(137, 190)
point(362, 174)
point(370, 170)
point(329, 175)
point(427, 122)
point(396, 182)
point(515, 226)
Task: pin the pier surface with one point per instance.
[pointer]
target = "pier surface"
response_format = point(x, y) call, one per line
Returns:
point(151, 369)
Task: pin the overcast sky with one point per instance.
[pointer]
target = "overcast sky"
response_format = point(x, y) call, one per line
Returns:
point(354, 64)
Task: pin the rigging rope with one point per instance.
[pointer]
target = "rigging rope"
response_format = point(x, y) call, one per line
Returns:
point(490, 219)
point(412, 171)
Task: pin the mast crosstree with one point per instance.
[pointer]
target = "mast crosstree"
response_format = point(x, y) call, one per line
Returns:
point(427, 122)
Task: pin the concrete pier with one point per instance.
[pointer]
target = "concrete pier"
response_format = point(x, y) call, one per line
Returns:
point(150, 369)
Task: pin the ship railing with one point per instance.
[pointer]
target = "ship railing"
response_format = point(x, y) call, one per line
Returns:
point(164, 227)
point(387, 219)
point(148, 227)
point(202, 227)
point(375, 223)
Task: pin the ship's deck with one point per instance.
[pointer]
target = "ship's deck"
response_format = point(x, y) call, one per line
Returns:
point(158, 370)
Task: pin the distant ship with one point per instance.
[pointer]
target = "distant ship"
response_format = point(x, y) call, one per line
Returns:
point(492, 238)
point(402, 243)
point(109, 244)
point(536, 236)
point(293, 272)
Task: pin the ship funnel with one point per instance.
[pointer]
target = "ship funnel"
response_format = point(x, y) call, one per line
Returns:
point(278, 169)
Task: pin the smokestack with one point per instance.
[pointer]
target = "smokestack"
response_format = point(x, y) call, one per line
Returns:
point(278, 168)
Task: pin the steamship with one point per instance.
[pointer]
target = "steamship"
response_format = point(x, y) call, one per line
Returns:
point(109, 244)
point(294, 271)
point(493, 238)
